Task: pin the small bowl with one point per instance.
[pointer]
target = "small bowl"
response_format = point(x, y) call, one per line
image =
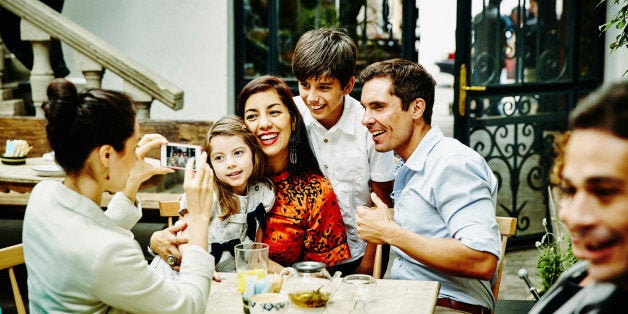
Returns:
point(268, 303)
point(13, 161)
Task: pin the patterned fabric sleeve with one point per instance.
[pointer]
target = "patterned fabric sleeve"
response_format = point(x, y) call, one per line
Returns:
point(326, 236)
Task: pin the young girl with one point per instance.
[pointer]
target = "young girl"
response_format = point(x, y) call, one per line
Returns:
point(242, 194)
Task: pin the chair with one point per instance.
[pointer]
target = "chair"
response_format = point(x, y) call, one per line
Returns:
point(377, 264)
point(9, 257)
point(507, 228)
point(169, 209)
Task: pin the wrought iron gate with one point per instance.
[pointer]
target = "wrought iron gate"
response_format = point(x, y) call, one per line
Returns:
point(522, 67)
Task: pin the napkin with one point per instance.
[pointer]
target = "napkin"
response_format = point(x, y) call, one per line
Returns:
point(49, 156)
point(255, 286)
point(16, 148)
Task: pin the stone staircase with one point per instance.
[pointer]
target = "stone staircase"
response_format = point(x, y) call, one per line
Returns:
point(11, 72)
point(93, 56)
point(10, 106)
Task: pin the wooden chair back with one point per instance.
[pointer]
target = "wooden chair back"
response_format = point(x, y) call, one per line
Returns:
point(507, 228)
point(377, 265)
point(169, 209)
point(9, 257)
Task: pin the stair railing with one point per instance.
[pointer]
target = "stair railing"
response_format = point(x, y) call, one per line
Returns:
point(40, 23)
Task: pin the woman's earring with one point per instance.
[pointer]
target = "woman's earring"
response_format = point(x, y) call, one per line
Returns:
point(107, 173)
point(293, 151)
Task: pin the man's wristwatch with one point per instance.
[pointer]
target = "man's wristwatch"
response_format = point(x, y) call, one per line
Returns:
point(153, 254)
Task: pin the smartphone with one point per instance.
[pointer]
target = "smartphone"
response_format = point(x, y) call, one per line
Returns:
point(176, 155)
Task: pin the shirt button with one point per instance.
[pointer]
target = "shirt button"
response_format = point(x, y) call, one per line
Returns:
point(325, 141)
point(325, 167)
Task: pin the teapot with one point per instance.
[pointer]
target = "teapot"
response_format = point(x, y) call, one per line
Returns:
point(308, 284)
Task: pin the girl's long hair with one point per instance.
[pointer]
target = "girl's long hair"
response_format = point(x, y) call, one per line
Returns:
point(232, 125)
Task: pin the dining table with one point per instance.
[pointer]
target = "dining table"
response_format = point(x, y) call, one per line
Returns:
point(387, 296)
point(17, 181)
point(22, 178)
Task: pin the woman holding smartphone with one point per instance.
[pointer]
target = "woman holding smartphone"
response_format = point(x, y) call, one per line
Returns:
point(81, 259)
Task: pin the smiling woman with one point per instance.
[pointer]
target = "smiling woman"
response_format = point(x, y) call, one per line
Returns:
point(305, 222)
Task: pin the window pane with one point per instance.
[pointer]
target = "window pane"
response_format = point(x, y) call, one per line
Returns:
point(375, 26)
point(517, 41)
point(256, 38)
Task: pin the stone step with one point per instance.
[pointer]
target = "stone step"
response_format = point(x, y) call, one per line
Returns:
point(12, 107)
point(6, 93)
point(14, 70)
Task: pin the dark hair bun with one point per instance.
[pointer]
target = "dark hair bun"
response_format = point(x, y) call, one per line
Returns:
point(62, 101)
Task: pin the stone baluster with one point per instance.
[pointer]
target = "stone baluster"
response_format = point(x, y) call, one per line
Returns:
point(141, 100)
point(41, 74)
point(2, 51)
point(92, 71)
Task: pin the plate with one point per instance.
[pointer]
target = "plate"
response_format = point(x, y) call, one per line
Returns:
point(49, 171)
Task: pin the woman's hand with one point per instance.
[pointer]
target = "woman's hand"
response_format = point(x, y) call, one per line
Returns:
point(199, 188)
point(142, 170)
point(199, 194)
point(166, 242)
point(274, 267)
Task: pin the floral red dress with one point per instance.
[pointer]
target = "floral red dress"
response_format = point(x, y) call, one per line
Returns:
point(305, 223)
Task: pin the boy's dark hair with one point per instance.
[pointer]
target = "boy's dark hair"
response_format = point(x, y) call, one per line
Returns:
point(409, 81)
point(605, 109)
point(325, 52)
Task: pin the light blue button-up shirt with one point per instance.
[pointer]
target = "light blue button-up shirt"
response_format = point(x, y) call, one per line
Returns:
point(447, 190)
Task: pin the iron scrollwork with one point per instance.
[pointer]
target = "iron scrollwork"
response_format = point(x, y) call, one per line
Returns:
point(518, 147)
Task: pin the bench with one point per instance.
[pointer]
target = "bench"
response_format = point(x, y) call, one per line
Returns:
point(33, 130)
point(150, 200)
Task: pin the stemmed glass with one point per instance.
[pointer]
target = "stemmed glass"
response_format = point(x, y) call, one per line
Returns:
point(359, 287)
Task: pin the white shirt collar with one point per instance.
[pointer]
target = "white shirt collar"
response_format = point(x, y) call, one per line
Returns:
point(345, 124)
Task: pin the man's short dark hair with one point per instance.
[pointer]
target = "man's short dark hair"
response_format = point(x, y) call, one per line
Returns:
point(605, 109)
point(410, 81)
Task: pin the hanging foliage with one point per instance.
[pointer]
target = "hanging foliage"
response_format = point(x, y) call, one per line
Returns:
point(620, 22)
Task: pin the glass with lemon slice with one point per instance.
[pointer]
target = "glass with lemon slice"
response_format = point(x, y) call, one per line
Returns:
point(251, 259)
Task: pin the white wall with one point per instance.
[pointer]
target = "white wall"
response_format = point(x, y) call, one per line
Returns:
point(616, 63)
point(186, 41)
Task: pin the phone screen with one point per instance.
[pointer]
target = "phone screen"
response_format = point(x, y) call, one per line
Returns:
point(176, 155)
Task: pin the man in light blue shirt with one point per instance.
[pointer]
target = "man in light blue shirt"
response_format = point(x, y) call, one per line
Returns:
point(444, 226)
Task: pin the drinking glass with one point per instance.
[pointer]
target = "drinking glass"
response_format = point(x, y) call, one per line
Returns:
point(251, 259)
point(359, 287)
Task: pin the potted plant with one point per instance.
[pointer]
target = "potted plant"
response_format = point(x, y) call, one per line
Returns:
point(555, 254)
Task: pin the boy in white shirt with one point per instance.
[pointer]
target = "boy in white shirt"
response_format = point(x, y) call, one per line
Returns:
point(324, 65)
